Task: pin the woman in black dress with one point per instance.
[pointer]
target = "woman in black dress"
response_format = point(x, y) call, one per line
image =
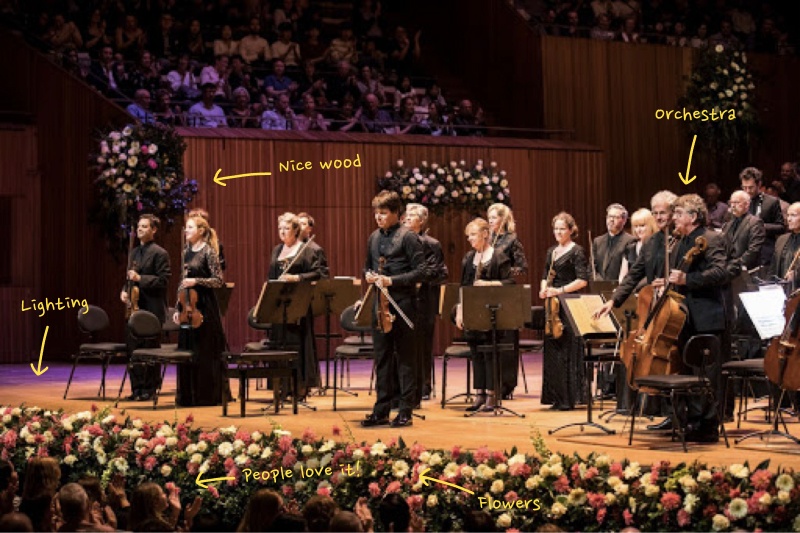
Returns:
point(504, 240)
point(201, 383)
point(644, 226)
point(306, 267)
point(482, 266)
point(562, 372)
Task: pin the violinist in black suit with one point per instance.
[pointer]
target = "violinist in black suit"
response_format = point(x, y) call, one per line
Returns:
point(609, 249)
point(744, 235)
point(766, 207)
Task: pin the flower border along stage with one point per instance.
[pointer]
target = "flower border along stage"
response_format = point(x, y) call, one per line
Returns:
point(138, 170)
point(456, 185)
point(597, 493)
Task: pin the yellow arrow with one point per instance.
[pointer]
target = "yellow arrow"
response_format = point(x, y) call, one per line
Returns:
point(424, 479)
point(204, 482)
point(219, 180)
point(687, 180)
point(38, 371)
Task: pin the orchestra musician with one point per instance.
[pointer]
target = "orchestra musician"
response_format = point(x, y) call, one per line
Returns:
point(150, 270)
point(395, 252)
point(504, 239)
point(427, 296)
point(786, 247)
point(307, 225)
point(562, 371)
point(201, 383)
point(294, 261)
point(608, 250)
point(643, 225)
point(766, 208)
point(482, 266)
point(744, 235)
point(203, 213)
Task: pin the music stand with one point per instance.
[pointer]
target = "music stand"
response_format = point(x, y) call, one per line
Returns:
point(223, 295)
point(283, 303)
point(765, 309)
point(578, 309)
point(492, 308)
point(332, 296)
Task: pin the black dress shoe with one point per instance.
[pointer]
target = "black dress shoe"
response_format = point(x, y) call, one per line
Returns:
point(702, 435)
point(133, 397)
point(143, 397)
point(563, 407)
point(664, 425)
point(480, 399)
point(372, 420)
point(402, 420)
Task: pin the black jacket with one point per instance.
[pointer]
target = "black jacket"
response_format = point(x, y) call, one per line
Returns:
point(608, 261)
point(744, 246)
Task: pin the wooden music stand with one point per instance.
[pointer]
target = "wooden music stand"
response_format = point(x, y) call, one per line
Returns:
point(578, 309)
point(333, 296)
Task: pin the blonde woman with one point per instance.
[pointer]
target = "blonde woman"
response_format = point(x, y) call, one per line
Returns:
point(644, 226)
point(202, 272)
point(484, 265)
point(562, 368)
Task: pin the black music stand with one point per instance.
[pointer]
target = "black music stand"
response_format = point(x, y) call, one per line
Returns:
point(492, 308)
point(762, 311)
point(590, 333)
point(283, 303)
point(223, 295)
point(332, 296)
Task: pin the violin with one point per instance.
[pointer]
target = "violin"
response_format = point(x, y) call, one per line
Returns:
point(652, 350)
point(190, 315)
point(553, 327)
point(782, 360)
point(131, 288)
point(385, 317)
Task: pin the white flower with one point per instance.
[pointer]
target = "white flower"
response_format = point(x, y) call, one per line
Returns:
point(484, 472)
point(254, 449)
point(502, 468)
point(266, 453)
point(739, 79)
point(744, 58)
point(713, 86)
point(497, 486)
point(114, 135)
point(688, 483)
point(735, 66)
point(307, 449)
point(651, 491)
point(719, 49)
point(241, 460)
point(765, 499)
point(432, 501)
point(784, 497)
point(399, 162)
point(70, 460)
point(751, 86)
point(544, 471)
point(158, 450)
point(689, 502)
point(462, 163)
point(171, 442)
point(468, 472)
point(451, 470)
point(152, 149)
point(166, 470)
point(225, 449)
point(504, 184)
point(601, 460)
point(743, 96)
point(137, 423)
point(196, 458)
point(728, 93)
point(532, 483)
point(738, 508)
point(704, 476)
point(358, 453)
point(621, 489)
point(66, 424)
point(379, 448)
point(101, 458)
point(611, 498)
point(613, 481)
point(720, 522)
point(388, 174)
point(745, 105)
point(101, 160)
point(577, 497)
point(632, 470)
point(400, 469)
point(504, 520)
point(735, 88)
point(557, 510)
point(300, 485)
point(127, 131)
point(721, 95)
point(784, 482)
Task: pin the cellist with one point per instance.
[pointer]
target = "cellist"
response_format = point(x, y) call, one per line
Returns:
point(150, 270)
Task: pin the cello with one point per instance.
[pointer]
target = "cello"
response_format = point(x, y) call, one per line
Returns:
point(652, 349)
point(782, 360)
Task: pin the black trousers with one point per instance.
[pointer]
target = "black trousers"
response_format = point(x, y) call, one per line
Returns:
point(423, 333)
point(483, 360)
point(144, 378)
point(396, 356)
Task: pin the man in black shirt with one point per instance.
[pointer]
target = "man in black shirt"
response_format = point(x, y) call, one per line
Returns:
point(427, 296)
point(397, 253)
point(149, 270)
point(766, 208)
point(318, 253)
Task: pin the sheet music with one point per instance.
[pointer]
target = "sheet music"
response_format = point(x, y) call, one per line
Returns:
point(765, 309)
point(582, 309)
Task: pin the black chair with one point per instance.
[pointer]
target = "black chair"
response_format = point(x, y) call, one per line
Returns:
point(700, 353)
point(272, 364)
point(145, 326)
point(91, 323)
point(348, 351)
point(745, 372)
point(258, 346)
point(170, 328)
point(457, 351)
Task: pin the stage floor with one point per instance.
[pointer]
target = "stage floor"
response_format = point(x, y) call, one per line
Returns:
point(442, 428)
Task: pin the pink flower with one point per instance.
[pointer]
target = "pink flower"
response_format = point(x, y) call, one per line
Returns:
point(596, 500)
point(233, 473)
point(213, 491)
point(455, 452)
point(520, 469)
point(601, 515)
point(144, 150)
point(285, 443)
point(684, 519)
point(374, 490)
point(575, 472)
point(512, 496)
point(287, 490)
point(761, 479)
point(414, 502)
point(416, 451)
point(324, 491)
point(152, 163)
point(591, 472)
point(42, 452)
point(616, 469)
point(170, 486)
point(229, 463)
point(309, 436)
point(192, 468)
point(499, 457)
point(290, 459)
point(481, 455)
point(561, 484)
point(150, 463)
point(337, 431)
point(670, 500)
point(190, 419)
point(393, 487)
point(628, 516)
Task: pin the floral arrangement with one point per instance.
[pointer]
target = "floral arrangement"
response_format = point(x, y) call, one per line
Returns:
point(456, 185)
point(721, 81)
point(138, 170)
point(596, 493)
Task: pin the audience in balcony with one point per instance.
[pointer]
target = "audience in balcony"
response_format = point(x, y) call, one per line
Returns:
point(602, 30)
point(162, 108)
point(252, 47)
point(195, 43)
point(277, 83)
point(310, 119)
point(368, 84)
point(373, 119)
point(165, 42)
point(286, 50)
point(343, 48)
point(217, 75)
point(281, 117)
point(242, 114)
point(403, 90)
point(64, 34)
point(404, 54)
point(629, 32)
point(226, 45)
point(182, 81)
point(140, 108)
point(313, 50)
point(96, 33)
point(725, 37)
point(206, 114)
point(130, 38)
point(342, 83)
point(468, 123)
point(144, 75)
